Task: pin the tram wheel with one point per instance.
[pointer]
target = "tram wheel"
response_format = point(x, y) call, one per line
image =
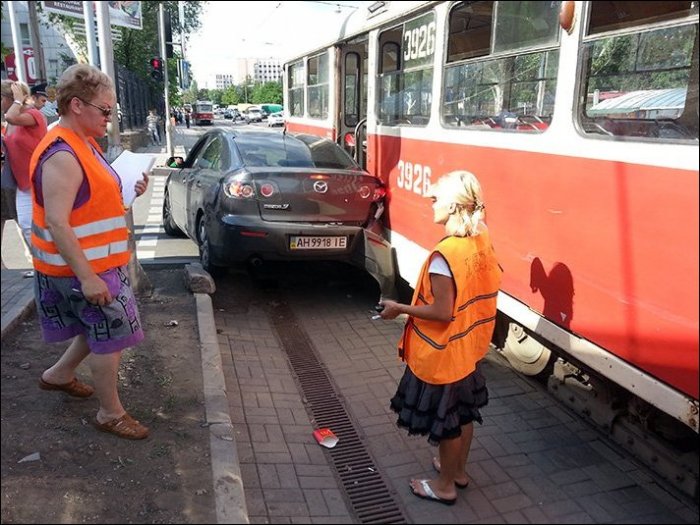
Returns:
point(525, 353)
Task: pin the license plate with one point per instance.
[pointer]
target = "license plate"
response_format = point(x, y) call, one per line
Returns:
point(317, 243)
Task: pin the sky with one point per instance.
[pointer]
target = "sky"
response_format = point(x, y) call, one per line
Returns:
point(260, 29)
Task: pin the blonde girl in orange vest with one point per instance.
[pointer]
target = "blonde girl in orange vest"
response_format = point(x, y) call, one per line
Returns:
point(80, 248)
point(449, 326)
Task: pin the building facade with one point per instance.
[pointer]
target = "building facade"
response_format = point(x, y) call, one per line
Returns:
point(267, 70)
point(222, 81)
point(57, 53)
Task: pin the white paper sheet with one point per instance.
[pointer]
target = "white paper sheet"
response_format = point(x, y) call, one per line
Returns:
point(130, 167)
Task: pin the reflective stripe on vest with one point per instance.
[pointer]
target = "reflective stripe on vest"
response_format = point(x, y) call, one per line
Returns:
point(91, 254)
point(85, 230)
point(444, 352)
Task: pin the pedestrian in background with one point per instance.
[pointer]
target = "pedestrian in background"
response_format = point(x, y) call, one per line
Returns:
point(26, 126)
point(187, 118)
point(9, 193)
point(153, 122)
point(41, 101)
point(450, 323)
point(81, 249)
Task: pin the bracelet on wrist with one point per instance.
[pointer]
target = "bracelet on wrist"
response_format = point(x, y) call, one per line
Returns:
point(18, 102)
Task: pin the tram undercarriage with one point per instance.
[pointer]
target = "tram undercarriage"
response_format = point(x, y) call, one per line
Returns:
point(661, 442)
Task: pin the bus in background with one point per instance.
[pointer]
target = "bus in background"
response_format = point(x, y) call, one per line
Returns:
point(268, 109)
point(580, 119)
point(202, 112)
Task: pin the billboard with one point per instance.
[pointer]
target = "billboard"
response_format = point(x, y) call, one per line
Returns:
point(126, 14)
point(29, 65)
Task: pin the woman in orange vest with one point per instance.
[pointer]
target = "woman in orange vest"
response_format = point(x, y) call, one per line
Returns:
point(80, 248)
point(450, 322)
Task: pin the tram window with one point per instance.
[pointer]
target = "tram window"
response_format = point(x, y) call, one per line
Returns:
point(391, 53)
point(642, 85)
point(352, 99)
point(317, 86)
point(406, 72)
point(470, 31)
point(295, 81)
point(521, 25)
point(611, 16)
point(514, 91)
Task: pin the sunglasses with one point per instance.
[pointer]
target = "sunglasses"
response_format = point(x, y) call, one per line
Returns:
point(106, 112)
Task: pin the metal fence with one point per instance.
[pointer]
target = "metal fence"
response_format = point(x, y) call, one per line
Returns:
point(135, 97)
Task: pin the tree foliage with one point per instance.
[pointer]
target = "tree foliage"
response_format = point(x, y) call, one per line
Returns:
point(267, 93)
point(135, 47)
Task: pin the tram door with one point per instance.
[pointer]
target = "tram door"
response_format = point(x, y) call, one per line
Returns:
point(352, 117)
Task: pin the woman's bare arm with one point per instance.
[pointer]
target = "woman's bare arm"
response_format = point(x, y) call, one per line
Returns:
point(440, 310)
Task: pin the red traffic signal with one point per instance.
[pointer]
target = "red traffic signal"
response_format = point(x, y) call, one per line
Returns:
point(157, 69)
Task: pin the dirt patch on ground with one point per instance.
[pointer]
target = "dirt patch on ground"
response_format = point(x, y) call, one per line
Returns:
point(84, 476)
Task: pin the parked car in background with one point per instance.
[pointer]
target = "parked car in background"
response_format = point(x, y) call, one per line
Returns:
point(275, 119)
point(253, 114)
point(251, 195)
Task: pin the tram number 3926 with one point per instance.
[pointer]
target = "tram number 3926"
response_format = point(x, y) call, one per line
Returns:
point(419, 42)
point(413, 177)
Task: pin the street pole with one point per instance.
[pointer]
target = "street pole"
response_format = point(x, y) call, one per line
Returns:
point(36, 43)
point(138, 278)
point(163, 53)
point(20, 68)
point(181, 20)
point(114, 147)
point(90, 31)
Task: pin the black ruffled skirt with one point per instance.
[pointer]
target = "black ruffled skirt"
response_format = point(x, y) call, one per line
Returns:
point(439, 410)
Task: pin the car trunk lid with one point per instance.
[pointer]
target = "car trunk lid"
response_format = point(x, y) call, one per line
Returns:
point(314, 195)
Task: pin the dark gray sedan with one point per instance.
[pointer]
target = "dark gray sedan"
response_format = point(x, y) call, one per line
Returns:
point(248, 195)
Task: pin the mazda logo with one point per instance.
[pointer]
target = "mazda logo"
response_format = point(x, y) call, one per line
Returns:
point(320, 186)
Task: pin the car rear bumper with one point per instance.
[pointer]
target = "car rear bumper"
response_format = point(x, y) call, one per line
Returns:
point(236, 238)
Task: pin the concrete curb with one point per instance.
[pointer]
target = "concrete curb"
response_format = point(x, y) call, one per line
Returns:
point(20, 310)
point(228, 485)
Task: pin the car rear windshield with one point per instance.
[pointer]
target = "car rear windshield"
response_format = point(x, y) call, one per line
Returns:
point(299, 151)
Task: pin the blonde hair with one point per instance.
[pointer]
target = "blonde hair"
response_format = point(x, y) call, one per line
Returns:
point(6, 89)
point(82, 81)
point(462, 190)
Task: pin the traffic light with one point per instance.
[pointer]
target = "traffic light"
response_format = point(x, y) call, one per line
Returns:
point(157, 69)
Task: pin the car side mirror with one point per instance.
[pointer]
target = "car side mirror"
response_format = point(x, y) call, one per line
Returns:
point(175, 162)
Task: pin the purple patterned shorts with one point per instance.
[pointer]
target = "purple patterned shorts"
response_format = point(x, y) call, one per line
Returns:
point(64, 312)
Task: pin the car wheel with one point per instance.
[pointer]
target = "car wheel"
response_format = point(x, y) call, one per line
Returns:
point(205, 250)
point(168, 224)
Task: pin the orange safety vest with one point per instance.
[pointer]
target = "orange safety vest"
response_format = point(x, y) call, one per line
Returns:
point(99, 224)
point(440, 352)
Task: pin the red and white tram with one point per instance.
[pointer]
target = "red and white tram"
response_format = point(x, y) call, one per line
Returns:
point(202, 112)
point(581, 121)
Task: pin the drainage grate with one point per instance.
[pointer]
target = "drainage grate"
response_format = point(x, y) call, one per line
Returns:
point(368, 494)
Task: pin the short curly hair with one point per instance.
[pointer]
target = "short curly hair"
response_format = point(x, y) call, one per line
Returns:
point(82, 81)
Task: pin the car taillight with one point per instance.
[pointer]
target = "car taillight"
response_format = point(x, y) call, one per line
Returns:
point(238, 189)
point(267, 190)
point(379, 193)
